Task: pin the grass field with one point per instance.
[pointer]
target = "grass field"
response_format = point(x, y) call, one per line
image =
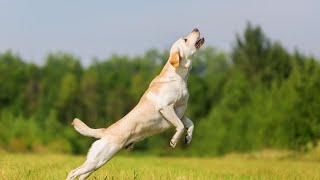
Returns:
point(32, 166)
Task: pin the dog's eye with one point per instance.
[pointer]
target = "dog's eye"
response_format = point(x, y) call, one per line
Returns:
point(185, 39)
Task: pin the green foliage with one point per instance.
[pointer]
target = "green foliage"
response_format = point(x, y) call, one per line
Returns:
point(257, 96)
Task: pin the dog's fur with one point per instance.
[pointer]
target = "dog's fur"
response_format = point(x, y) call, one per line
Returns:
point(162, 106)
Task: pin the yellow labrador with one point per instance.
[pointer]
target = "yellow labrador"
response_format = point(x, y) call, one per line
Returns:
point(161, 107)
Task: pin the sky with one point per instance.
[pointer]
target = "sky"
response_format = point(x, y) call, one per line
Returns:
point(99, 28)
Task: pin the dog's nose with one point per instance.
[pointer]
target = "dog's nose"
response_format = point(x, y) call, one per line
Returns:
point(195, 30)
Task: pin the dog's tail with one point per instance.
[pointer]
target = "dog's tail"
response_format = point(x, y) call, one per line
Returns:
point(83, 129)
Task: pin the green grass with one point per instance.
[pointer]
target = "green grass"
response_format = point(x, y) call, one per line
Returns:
point(32, 166)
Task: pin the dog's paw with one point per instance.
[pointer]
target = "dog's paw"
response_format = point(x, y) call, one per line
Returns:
point(173, 144)
point(129, 147)
point(187, 139)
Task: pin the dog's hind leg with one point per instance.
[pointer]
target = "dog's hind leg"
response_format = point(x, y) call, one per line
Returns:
point(84, 176)
point(100, 152)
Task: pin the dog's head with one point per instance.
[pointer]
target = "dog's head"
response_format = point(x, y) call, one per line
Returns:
point(185, 47)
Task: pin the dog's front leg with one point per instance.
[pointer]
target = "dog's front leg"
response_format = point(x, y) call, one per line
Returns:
point(169, 114)
point(189, 125)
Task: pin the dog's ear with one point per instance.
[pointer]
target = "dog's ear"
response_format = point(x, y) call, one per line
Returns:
point(175, 59)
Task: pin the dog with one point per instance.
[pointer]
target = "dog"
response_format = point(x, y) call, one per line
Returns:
point(161, 107)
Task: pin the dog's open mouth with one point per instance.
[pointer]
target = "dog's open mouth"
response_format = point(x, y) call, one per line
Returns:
point(199, 43)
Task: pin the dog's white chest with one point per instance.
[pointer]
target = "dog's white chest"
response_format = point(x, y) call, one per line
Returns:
point(182, 95)
point(175, 93)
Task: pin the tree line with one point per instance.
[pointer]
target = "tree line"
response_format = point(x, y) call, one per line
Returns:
point(259, 95)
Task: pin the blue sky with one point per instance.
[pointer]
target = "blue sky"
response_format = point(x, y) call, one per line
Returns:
point(94, 28)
